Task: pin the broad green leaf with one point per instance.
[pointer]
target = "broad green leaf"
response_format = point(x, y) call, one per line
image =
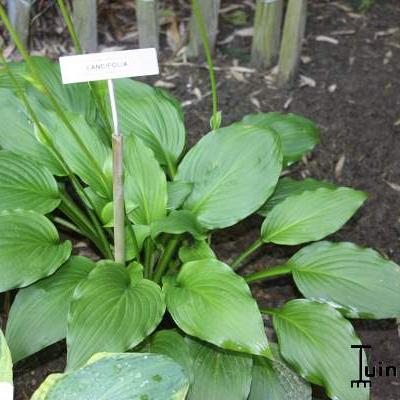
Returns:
point(76, 97)
point(6, 374)
point(234, 170)
point(344, 276)
point(199, 250)
point(24, 185)
point(172, 344)
point(288, 187)
point(112, 310)
point(311, 216)
point(38, 316)
point(17, 134)
point(87, 156)
point(151, 115)
point(145, 183)
point(178, 222)
point(30, 249)
point(218, 374)
point(298, 135)
point(18, 70)
point(274, 380)
point(316, 340)
point(208, 300)
point(117, 377)
point(177, 193)
point(107, 215)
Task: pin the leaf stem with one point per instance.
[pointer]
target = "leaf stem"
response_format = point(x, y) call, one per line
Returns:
point(237, 262)
point(269, 311)
point(148, 257)
point(204, 38)
point(166, 258)
point(70, 25)
point(66, 224)
point(269, 273)
point(73, 212)
point(134, 239)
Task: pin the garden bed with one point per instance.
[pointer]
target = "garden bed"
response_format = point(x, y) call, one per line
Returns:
point(355, 102)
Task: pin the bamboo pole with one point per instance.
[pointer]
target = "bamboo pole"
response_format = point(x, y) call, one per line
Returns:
point(85, 21)
point(267, 33)
point(118, 181)
point(210, 12)
point(293, 34)
point(118, 198)
point(19, 15)
point(148, 23)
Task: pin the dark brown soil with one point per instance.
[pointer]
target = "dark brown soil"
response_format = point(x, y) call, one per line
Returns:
point(356, 103)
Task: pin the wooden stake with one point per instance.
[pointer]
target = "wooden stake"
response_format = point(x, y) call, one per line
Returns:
point(19, 15)
point(293, 34)
point(118, 182)
point(148, 23)
point(118, 199)
point(85, 21)
point(267, 33)
point(210, 11)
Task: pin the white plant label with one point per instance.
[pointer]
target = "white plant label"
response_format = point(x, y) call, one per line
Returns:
point(6, 391)
point(111, 65)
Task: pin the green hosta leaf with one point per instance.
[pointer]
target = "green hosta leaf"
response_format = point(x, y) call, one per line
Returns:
point(298, 135)
point(6, 374)
point(214, 373)
point(18, 70)
point(234, 170)
point(87, 164)
point(107, 215)
point(344, 275)
point(199, 250)
point(149, 114)
point(178, 222)
point(288, 187)
point(117, 377)
point(274, 380)
point(30, 249)
point(17, 134)
point(172, 344)
point(177, 193)
point(26, 186)
point(209, 301)
point(112, 310)
point(311, 216)
point(218, 374)
point(38, 316)
point(76, 98)
point(145, 183)
point(316, 340)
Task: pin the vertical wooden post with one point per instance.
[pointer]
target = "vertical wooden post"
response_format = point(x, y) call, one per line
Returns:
point(85, 21)
point(267, 33)
point(148, 23)
point(293, 34)
point(19, 15)
point(210, 11)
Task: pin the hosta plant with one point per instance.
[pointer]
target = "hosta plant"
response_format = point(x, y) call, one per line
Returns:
point(189, 319)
